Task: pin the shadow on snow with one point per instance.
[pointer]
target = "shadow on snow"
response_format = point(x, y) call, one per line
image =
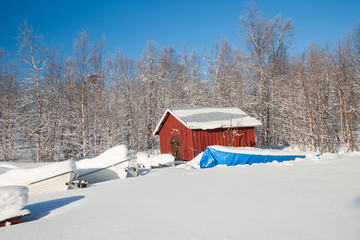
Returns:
point(42, 209)
point(356, 202)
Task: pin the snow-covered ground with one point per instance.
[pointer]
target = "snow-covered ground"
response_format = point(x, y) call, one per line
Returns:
point(311, 198)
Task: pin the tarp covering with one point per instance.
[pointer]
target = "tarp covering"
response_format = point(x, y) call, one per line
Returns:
point(213, 157)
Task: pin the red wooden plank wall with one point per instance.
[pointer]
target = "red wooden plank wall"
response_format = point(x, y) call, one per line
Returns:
point(12, 221)
point(172, 127)
point(193, 142)
point(235, 137)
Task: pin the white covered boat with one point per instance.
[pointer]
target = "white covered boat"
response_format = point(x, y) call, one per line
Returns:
point(41, 179)
point(52, 184)
point(111, 164)
point(115, 171)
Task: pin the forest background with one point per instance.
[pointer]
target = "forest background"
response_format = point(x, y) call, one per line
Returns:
point(55, 107)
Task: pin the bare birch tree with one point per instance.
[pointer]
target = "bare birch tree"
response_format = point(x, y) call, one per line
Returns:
point(267, 41)
point(82, 53)
point(33, 52)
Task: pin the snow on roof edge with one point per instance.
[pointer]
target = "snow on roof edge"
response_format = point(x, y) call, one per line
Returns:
point(159, 126)
point(170, 111)
point(157, 129)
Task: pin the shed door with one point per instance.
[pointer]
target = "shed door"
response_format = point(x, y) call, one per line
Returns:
point(175, 147)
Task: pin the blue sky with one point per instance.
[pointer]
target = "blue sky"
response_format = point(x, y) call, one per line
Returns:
point(128, 25)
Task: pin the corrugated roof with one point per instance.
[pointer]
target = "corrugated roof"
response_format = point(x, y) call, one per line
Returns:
point(210, 118)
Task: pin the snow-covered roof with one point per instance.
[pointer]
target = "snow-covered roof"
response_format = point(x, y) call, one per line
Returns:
point(209, 118)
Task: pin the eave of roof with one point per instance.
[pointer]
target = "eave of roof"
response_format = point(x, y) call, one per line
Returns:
point(163, 118)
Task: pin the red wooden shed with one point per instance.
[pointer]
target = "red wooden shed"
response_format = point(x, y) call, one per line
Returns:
point(186, 132)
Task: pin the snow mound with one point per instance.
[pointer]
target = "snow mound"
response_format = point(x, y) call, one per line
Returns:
point(108, 158)
point(161, 159)
point(143, 159)
point(26, 176)
point(12, 201)
point(195, 162)
point(154, 160)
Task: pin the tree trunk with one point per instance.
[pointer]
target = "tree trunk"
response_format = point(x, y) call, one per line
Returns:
point(94, 125)
point(83, 119)
point(310, 119)
point(9, 129)
point(38, 130)
point(342, 132)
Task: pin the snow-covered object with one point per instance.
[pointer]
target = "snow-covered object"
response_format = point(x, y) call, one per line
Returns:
point(255, 151)
point(154, 160)
point(31, 175)
point(108, 158)
point(12, 201)
point(107, 166)
point(209, 118)
point(143, 159)
point(230, 156)
point(116, 171)
point(195, 162)
point(161, 159)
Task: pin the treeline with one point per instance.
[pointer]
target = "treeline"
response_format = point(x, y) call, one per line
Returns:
point(54, 108)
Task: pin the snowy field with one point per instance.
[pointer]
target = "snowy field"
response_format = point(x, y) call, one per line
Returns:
point(312, 198)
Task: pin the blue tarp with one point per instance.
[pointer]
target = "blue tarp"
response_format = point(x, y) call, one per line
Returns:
point(212, 157)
